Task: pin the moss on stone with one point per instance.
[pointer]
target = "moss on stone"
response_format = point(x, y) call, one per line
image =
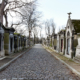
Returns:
point(6, 42)
point(16, 33)
point(55, 42)
point(75, 42)
point(6, 38)
point(76, 24)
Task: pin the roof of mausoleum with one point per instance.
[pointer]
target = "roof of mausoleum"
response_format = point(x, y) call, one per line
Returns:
point(7, 28)
point(61, 31)
point(76, 24)
point(16, 33)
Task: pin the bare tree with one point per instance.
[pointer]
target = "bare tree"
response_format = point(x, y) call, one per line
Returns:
point(32, 18)
point(52, 26)
point(3, 4)
point(50, 30)
point(9, 6)
point(26, 10)
point(49, 27)
point(47, 30)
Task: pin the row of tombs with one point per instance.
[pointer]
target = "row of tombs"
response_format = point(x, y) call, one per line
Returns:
point(10, 42)
point(66, 41)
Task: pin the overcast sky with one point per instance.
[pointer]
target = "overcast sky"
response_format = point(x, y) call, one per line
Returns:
point(58, 9)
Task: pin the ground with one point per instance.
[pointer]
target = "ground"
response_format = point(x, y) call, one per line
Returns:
point(37, 63)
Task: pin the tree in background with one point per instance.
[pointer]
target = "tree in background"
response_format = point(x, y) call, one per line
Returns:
point(31, 18)
point(52, 26)
point(11, 7)
point(50, 30)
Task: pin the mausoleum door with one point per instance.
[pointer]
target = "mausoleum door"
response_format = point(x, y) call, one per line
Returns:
point(68, 45)
point(15, 42)
point(19, 42)
point(11, 44)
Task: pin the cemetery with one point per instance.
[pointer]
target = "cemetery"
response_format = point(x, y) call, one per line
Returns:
point(67, 41)
point(10, 42)
point(38, 41)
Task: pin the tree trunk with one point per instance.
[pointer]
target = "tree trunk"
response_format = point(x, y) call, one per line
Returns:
point(6, 21)
point(29, 38)
point(1, 14)
point(2, 6)
point(34, 38)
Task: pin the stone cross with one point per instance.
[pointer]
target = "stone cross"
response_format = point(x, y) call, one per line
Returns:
point(69, 14)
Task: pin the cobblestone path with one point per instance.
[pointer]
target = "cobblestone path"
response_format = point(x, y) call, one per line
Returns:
point(38, 63)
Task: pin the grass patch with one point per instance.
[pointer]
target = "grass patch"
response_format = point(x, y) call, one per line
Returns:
point(62, 57)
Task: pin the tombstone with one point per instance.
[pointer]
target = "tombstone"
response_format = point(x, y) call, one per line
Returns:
point(9, 40)
point(2, 51)
point(78, 48)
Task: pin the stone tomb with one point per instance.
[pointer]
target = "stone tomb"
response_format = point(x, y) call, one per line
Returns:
point(23, 42)
point(61, 41)
point(2, 52)
point(9, 40)
point(17, 42)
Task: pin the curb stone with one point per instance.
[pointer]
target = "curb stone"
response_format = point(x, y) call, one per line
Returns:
point(72, 69)
point(8, 63)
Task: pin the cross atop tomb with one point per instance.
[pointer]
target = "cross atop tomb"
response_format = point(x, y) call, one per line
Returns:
point(69, 14)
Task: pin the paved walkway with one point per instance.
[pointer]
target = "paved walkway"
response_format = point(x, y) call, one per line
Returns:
point(38, 64)
point(8, 58)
